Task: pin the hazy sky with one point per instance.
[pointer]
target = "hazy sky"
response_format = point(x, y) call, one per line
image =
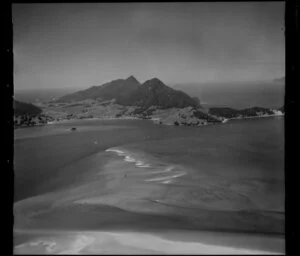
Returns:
point(80, 45)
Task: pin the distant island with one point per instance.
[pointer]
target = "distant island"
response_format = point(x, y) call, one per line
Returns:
point(129, 99)
point(230, 113)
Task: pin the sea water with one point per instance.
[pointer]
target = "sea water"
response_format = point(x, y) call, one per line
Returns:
point(140, 175)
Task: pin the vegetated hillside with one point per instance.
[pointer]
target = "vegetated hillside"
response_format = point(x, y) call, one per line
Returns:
point(233, 113)
point(155, 93)
point(129, 92)
point(22, 108)
point(113, 90)
point(188, 116)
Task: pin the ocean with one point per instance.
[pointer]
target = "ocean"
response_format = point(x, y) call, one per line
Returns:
point(133, 175)
point(238, 95)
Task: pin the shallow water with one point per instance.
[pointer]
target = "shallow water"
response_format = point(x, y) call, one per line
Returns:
point(135, 175)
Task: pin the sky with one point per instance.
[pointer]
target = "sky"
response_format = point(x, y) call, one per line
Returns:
point(77, 45)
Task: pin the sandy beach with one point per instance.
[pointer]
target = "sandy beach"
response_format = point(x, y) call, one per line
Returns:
point(121, 242)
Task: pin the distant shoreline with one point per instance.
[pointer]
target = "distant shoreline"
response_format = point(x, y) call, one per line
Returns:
point(252, 117)
point(154, 120)
point(94, 118)
point(77, 119)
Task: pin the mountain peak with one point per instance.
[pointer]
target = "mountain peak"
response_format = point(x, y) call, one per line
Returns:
point(154, 82)
point(132, 79)
point(130, 92)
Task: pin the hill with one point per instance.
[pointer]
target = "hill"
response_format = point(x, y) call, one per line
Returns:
point(129, 92)
point(116, 89)
point(229, 113)
point(22, 108)
point(155, 93)
point(27, 114)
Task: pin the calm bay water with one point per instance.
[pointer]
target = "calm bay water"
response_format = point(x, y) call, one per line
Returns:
point(221, 177)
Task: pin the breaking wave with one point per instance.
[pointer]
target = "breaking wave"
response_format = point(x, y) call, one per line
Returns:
point(158, 171)
point(128, 157)
point(48, 246)
point(51, 247)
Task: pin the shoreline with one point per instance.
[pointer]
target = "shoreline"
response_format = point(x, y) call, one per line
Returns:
point(254, 117)
point(93, 119)
point(116, 241)
point(154, 120)
point(77, 119)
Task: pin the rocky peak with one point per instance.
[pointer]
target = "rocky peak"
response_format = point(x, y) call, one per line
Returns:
point(154, 83)
point(132, 79)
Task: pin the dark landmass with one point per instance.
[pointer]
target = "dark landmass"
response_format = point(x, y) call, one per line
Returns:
point(116, 89)
point(22, 108)
point(155, 93)
point(129, 92)
point(128, 98)
point(27, 114)
point(243, 113)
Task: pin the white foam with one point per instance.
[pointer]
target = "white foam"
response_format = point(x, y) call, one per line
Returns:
point(50, 245)
point(32, 243)
point(111, 243)
point(144, 165)
point(115, 150)
point(139, 163)
point(167, 177)
point(161, 245)
point(169, 169)
point(167, 181)
point(80, 243)
point(130, 159)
